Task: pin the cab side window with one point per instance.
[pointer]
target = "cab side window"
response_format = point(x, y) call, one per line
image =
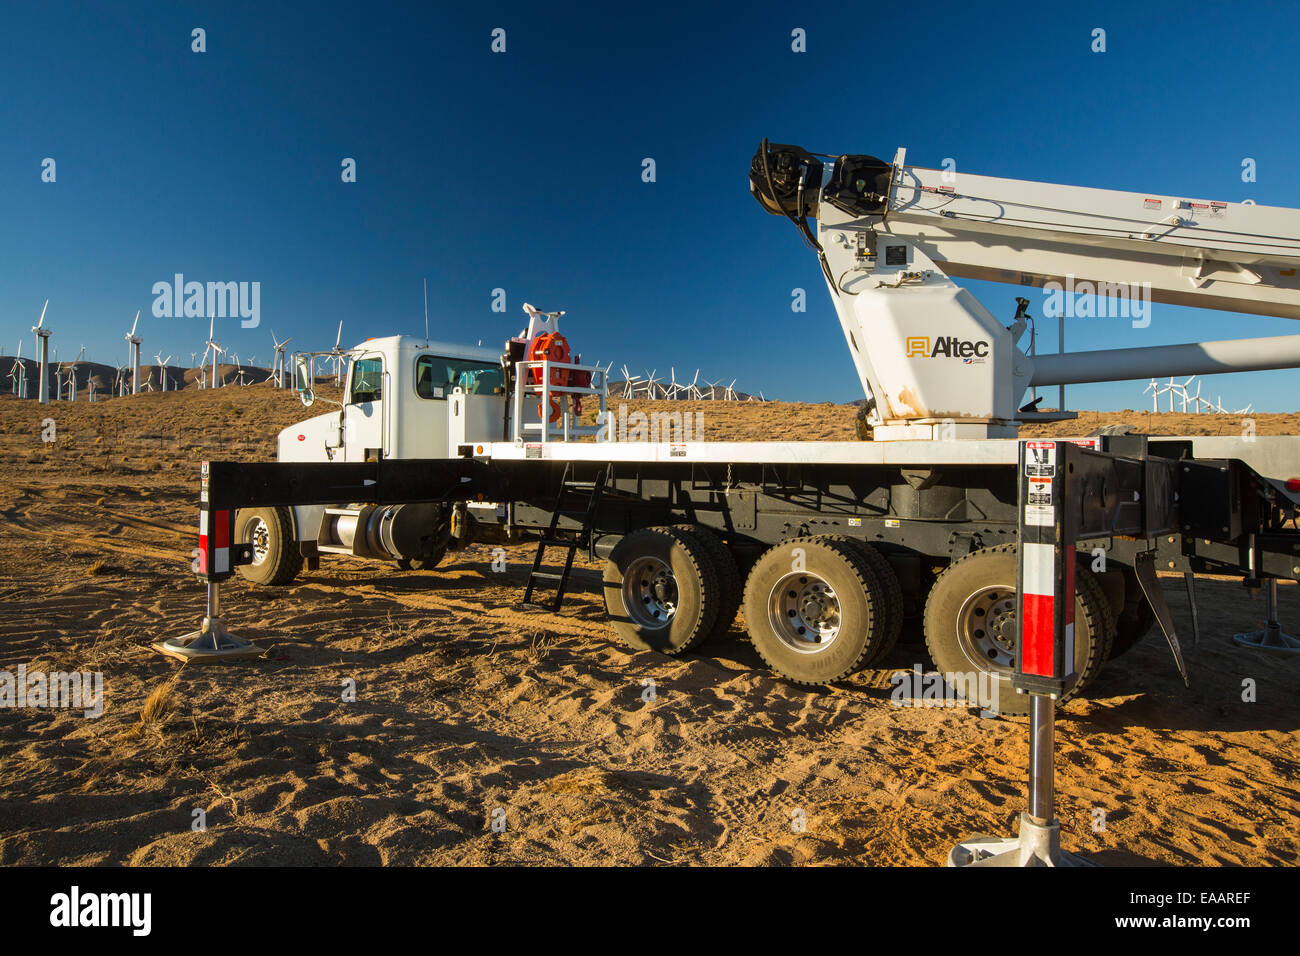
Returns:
point(367, 381)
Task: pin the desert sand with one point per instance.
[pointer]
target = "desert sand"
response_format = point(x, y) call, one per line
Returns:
point(468, 710)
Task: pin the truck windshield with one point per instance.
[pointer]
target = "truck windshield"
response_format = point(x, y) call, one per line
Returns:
point(436, 376)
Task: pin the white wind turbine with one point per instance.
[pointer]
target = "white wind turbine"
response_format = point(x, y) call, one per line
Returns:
point(337, 353)
point(134, 341)
point(214, 348)
point(278, 368)
point(72, 375)
point(629, 383)
point(652, 386)
point(730, 394)
point(43, 363)
point(162, 368)
point(18, 373)
point(1154, 388)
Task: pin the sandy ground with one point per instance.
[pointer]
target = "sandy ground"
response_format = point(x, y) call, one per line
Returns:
point(469, 710)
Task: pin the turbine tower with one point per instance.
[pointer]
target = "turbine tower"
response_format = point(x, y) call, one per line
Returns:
point(215, 348)
point(162, 368)
point(18, 375)
point(278, 370)
point(43, 363)
point(134, 341)
point(72, 375)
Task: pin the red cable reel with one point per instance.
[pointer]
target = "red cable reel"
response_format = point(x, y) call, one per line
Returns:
point(551, 347)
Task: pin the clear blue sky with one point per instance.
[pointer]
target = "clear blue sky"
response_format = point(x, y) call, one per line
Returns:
point(523, 170)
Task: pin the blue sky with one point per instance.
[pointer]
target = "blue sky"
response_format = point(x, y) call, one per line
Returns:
point(522, 170)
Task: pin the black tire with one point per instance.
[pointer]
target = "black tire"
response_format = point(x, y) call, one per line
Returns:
point(891, 596)
point(661, 590)
point(983, 583)
point(276, 558)
point(786, 601)
point(731, 585)
point(1135, 619)
point(426, 563)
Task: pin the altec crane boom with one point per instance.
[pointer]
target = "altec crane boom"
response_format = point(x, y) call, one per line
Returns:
point(890, 238)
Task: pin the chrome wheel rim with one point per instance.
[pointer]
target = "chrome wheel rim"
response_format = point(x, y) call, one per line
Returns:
point(650, 593)
point(258, 535)
point(804, 612)
point(986, 628)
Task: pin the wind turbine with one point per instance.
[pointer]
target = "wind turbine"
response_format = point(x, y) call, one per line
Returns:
point(58, 376)
point(629, 383)
point(338, 352)
point(730, 393)
point(215, 348)
point(1154, 388)
point(43, 364)
point(652, 386)
point(18, 373)
point(278, 369)
point(72, 375)
point(134, 341)
point(162, 368)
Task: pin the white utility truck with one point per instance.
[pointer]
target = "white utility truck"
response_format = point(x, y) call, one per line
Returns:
point(832, 549)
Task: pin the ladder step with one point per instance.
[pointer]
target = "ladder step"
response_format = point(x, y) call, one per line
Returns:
point(558, 542)
point(545, 576)
point(538, 606)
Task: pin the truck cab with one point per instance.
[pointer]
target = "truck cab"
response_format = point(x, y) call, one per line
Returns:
point(405, 397)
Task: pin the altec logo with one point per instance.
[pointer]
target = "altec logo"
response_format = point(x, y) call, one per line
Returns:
point(949, 346)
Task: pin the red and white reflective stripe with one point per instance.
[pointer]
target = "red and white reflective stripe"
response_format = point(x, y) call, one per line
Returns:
point(1037, 631)
point(214, 542)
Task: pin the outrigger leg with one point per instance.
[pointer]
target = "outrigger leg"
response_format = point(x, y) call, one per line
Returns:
point(217, 556)
point(1272, 637)
point(211, 641)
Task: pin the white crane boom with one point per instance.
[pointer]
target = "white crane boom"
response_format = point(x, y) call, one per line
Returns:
point(935, 363)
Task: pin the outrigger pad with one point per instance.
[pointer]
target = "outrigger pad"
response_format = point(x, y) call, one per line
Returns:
point(211, 642)
point(1272, 639)
point(1039, 844)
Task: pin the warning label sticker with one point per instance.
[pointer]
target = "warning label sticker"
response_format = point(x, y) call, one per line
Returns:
point(1040, 459)
point(1040, 492)
point(1038, 503)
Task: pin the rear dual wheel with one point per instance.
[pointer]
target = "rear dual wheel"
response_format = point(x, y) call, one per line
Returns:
point(816, 609)
point(971, 629)
point(662, 590)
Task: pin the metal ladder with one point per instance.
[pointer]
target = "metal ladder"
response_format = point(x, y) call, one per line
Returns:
point(582, 539)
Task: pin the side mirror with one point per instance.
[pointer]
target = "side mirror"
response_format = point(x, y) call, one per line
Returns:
point(302, 380)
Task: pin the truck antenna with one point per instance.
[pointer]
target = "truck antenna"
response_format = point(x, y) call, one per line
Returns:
point(426, 313)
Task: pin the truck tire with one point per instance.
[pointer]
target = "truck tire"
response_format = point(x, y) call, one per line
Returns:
point(891, 596)
point(661, 590)
point(426, 563)
point(731, 586)
point(1135, 619)
point(814, 618)
point(276, 558)
point(981, 587)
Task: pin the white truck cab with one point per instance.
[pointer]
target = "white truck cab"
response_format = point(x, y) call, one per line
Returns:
point(405, 397)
